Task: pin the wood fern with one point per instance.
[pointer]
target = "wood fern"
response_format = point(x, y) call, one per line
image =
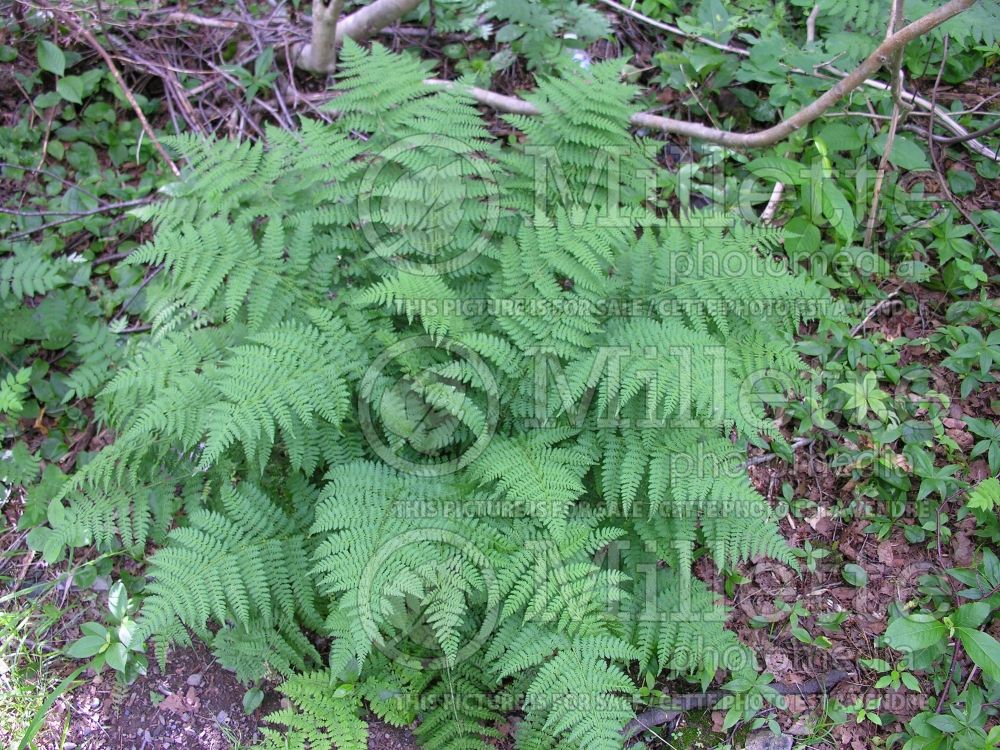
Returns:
point(454, 418)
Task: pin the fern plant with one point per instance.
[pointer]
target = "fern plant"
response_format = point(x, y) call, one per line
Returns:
point(438, 484)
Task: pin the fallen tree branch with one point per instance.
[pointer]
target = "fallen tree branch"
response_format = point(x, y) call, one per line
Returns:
point(796, 445)
point(329, 29)
point(659, 716)
point(69, 216)
point(783, 129)
point(945, 118)
point(180, 16)
point(676, 31)
point(954, 140)
point(807, 114)
point(372, 18)
point(936, 162)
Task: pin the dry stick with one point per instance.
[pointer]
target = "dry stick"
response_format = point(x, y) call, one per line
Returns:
point(811, 24)
point(53, 175)
point(75, 216)
point(891, 242)
point(911, 97)
point(876, 308)
point(628, 11)
point(72, 21)
point(935, 161)
point(896, 70)
point(812, 111)
point(783, 129)
point(767, 215)
point(946, 141)
point(796, 445)
point(178, 16)
point(658, 716)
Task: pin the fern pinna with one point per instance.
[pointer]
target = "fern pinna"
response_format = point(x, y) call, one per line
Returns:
point(441, 438)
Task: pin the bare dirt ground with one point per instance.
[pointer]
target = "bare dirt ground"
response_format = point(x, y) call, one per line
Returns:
point(195, 704)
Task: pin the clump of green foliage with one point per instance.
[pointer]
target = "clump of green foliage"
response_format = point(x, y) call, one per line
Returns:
point(331, 268)
point(67, 166)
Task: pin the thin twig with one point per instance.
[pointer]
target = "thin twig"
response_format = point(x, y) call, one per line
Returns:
point(38, 170)
point(875, 309)
point(936, 162)
point(954, 140)
point(91, 40)
point(913, 99)
point(783, 129)
point(796, 445)
point(658, 716)
point(811, 24)
point(145, 282)
point(676, 31)
point(76, 217)
point(896, 63)
point(76, 214)
point(891, 242)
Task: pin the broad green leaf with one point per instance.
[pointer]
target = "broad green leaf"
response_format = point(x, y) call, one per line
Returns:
point(855, 575)
point(52, 549)
point(971, 615)
point(840, 137)
point(70, 88)
point(48, 99)
point(915, 632)
point(778, 169)
point(837, 210)
point(983, 649)
point(50, 57)
point(57, 513)
point(905, 154)
point(95, 629)
point(910, 681)
point(116, 656)
point(117, 601)
point(86, 647)
point(252, 700)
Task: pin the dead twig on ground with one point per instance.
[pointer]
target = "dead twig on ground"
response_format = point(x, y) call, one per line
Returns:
point(896, 71)
point(673, 707)
point(78, 29)
point(936, 160)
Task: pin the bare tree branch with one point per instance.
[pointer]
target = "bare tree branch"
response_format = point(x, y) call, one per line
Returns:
point(783, 129)
point(812, 111)
point(811, 24)
point(373, 17)
point(944, 118)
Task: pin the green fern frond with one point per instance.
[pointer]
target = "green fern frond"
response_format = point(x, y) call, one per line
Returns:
point(324, 716)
